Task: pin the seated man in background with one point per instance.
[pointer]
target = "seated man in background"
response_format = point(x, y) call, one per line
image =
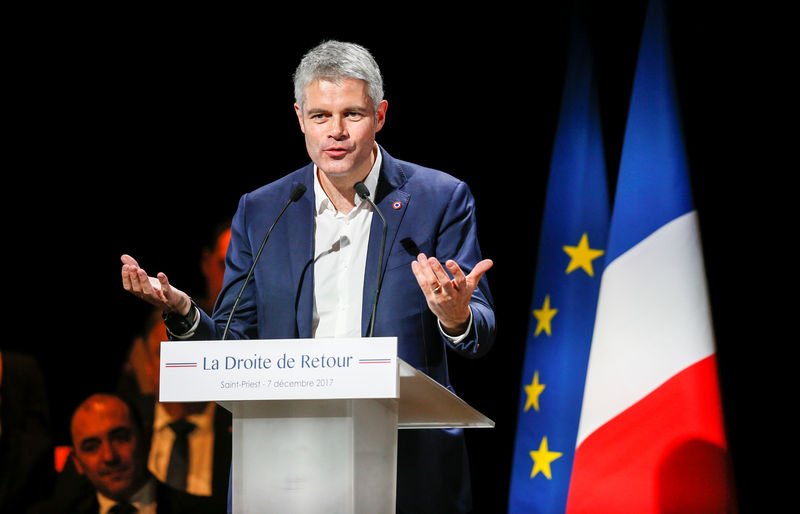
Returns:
point(190, 447)
point(108, 448)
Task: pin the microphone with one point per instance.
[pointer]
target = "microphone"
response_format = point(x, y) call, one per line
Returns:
point(297, 193)
point(363, 192)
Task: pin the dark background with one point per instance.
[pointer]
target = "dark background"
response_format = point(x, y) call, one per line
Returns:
point(133, 131)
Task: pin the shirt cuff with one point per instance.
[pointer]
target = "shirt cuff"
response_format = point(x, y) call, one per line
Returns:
point(190, 333)
point(457, 339)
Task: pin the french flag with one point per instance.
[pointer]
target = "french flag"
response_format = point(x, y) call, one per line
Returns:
point(651, 436)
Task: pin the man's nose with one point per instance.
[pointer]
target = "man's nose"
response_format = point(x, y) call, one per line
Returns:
point(338, 128)
point(110, 453)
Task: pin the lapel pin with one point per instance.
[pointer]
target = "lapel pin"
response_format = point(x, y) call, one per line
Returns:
point(397, 205)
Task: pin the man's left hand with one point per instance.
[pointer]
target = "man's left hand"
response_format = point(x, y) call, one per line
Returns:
point(448, 298)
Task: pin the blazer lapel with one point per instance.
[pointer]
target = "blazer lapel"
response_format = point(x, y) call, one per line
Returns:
point(301, 253)
point(392, 201)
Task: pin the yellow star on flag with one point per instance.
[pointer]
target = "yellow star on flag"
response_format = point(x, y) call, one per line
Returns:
point(542, 459)
point(543, 316)
point(533, 390)
point(581, 256)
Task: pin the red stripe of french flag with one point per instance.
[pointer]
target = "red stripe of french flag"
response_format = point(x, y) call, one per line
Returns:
point(651, 436)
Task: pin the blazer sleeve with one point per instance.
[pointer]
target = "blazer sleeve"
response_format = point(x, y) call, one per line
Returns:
point(458, 240)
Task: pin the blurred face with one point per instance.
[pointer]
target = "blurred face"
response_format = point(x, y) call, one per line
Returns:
point(340, 123)
point(107, 447)
point(156, 335)
point(214, 264)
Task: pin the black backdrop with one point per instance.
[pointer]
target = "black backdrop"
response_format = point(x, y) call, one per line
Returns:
point(133, 131)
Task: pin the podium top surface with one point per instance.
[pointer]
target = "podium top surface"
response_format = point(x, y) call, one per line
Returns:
point(424, 403)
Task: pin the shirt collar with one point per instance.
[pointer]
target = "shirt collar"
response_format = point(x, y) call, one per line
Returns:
point(321, 200)
point(145, 496)
point(203, 420)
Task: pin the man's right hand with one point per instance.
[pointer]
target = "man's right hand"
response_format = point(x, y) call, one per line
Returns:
point(156, 291)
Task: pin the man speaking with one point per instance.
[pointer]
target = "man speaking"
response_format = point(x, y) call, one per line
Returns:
point(321, 271)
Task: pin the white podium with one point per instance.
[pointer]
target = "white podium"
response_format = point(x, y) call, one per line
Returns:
point(314, 421)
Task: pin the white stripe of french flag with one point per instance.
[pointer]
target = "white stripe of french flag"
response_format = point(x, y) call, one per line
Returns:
point(651, 436)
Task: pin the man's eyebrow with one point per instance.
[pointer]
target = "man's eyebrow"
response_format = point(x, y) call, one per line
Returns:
point(89, 440)
point(354, 108)
point(121, 431)
point(316, 111)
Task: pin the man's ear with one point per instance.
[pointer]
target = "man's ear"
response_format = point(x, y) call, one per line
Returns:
point(76, 462)
point(380, 115)
point(299, 112)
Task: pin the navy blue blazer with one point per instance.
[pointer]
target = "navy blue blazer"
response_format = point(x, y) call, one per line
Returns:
point(426, 211)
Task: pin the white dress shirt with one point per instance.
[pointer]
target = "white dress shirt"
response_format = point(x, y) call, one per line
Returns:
point(340, 247)
point(201, 449)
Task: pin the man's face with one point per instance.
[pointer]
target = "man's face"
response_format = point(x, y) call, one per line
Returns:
point(107, 447)
point(155, 336)
point(340, 123)
point(213, 264)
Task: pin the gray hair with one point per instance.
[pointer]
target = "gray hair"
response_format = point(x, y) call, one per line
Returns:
point(337, 61)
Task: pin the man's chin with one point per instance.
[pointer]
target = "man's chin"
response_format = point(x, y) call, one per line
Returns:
point(336, 168)
point(119, 486)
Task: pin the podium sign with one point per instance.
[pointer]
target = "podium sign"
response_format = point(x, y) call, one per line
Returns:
point(314, 420)
point(280, 369)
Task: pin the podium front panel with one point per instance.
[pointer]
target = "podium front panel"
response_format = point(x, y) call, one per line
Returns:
point(314, 456)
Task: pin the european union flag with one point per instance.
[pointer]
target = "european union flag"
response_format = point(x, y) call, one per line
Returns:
point(571, 248)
